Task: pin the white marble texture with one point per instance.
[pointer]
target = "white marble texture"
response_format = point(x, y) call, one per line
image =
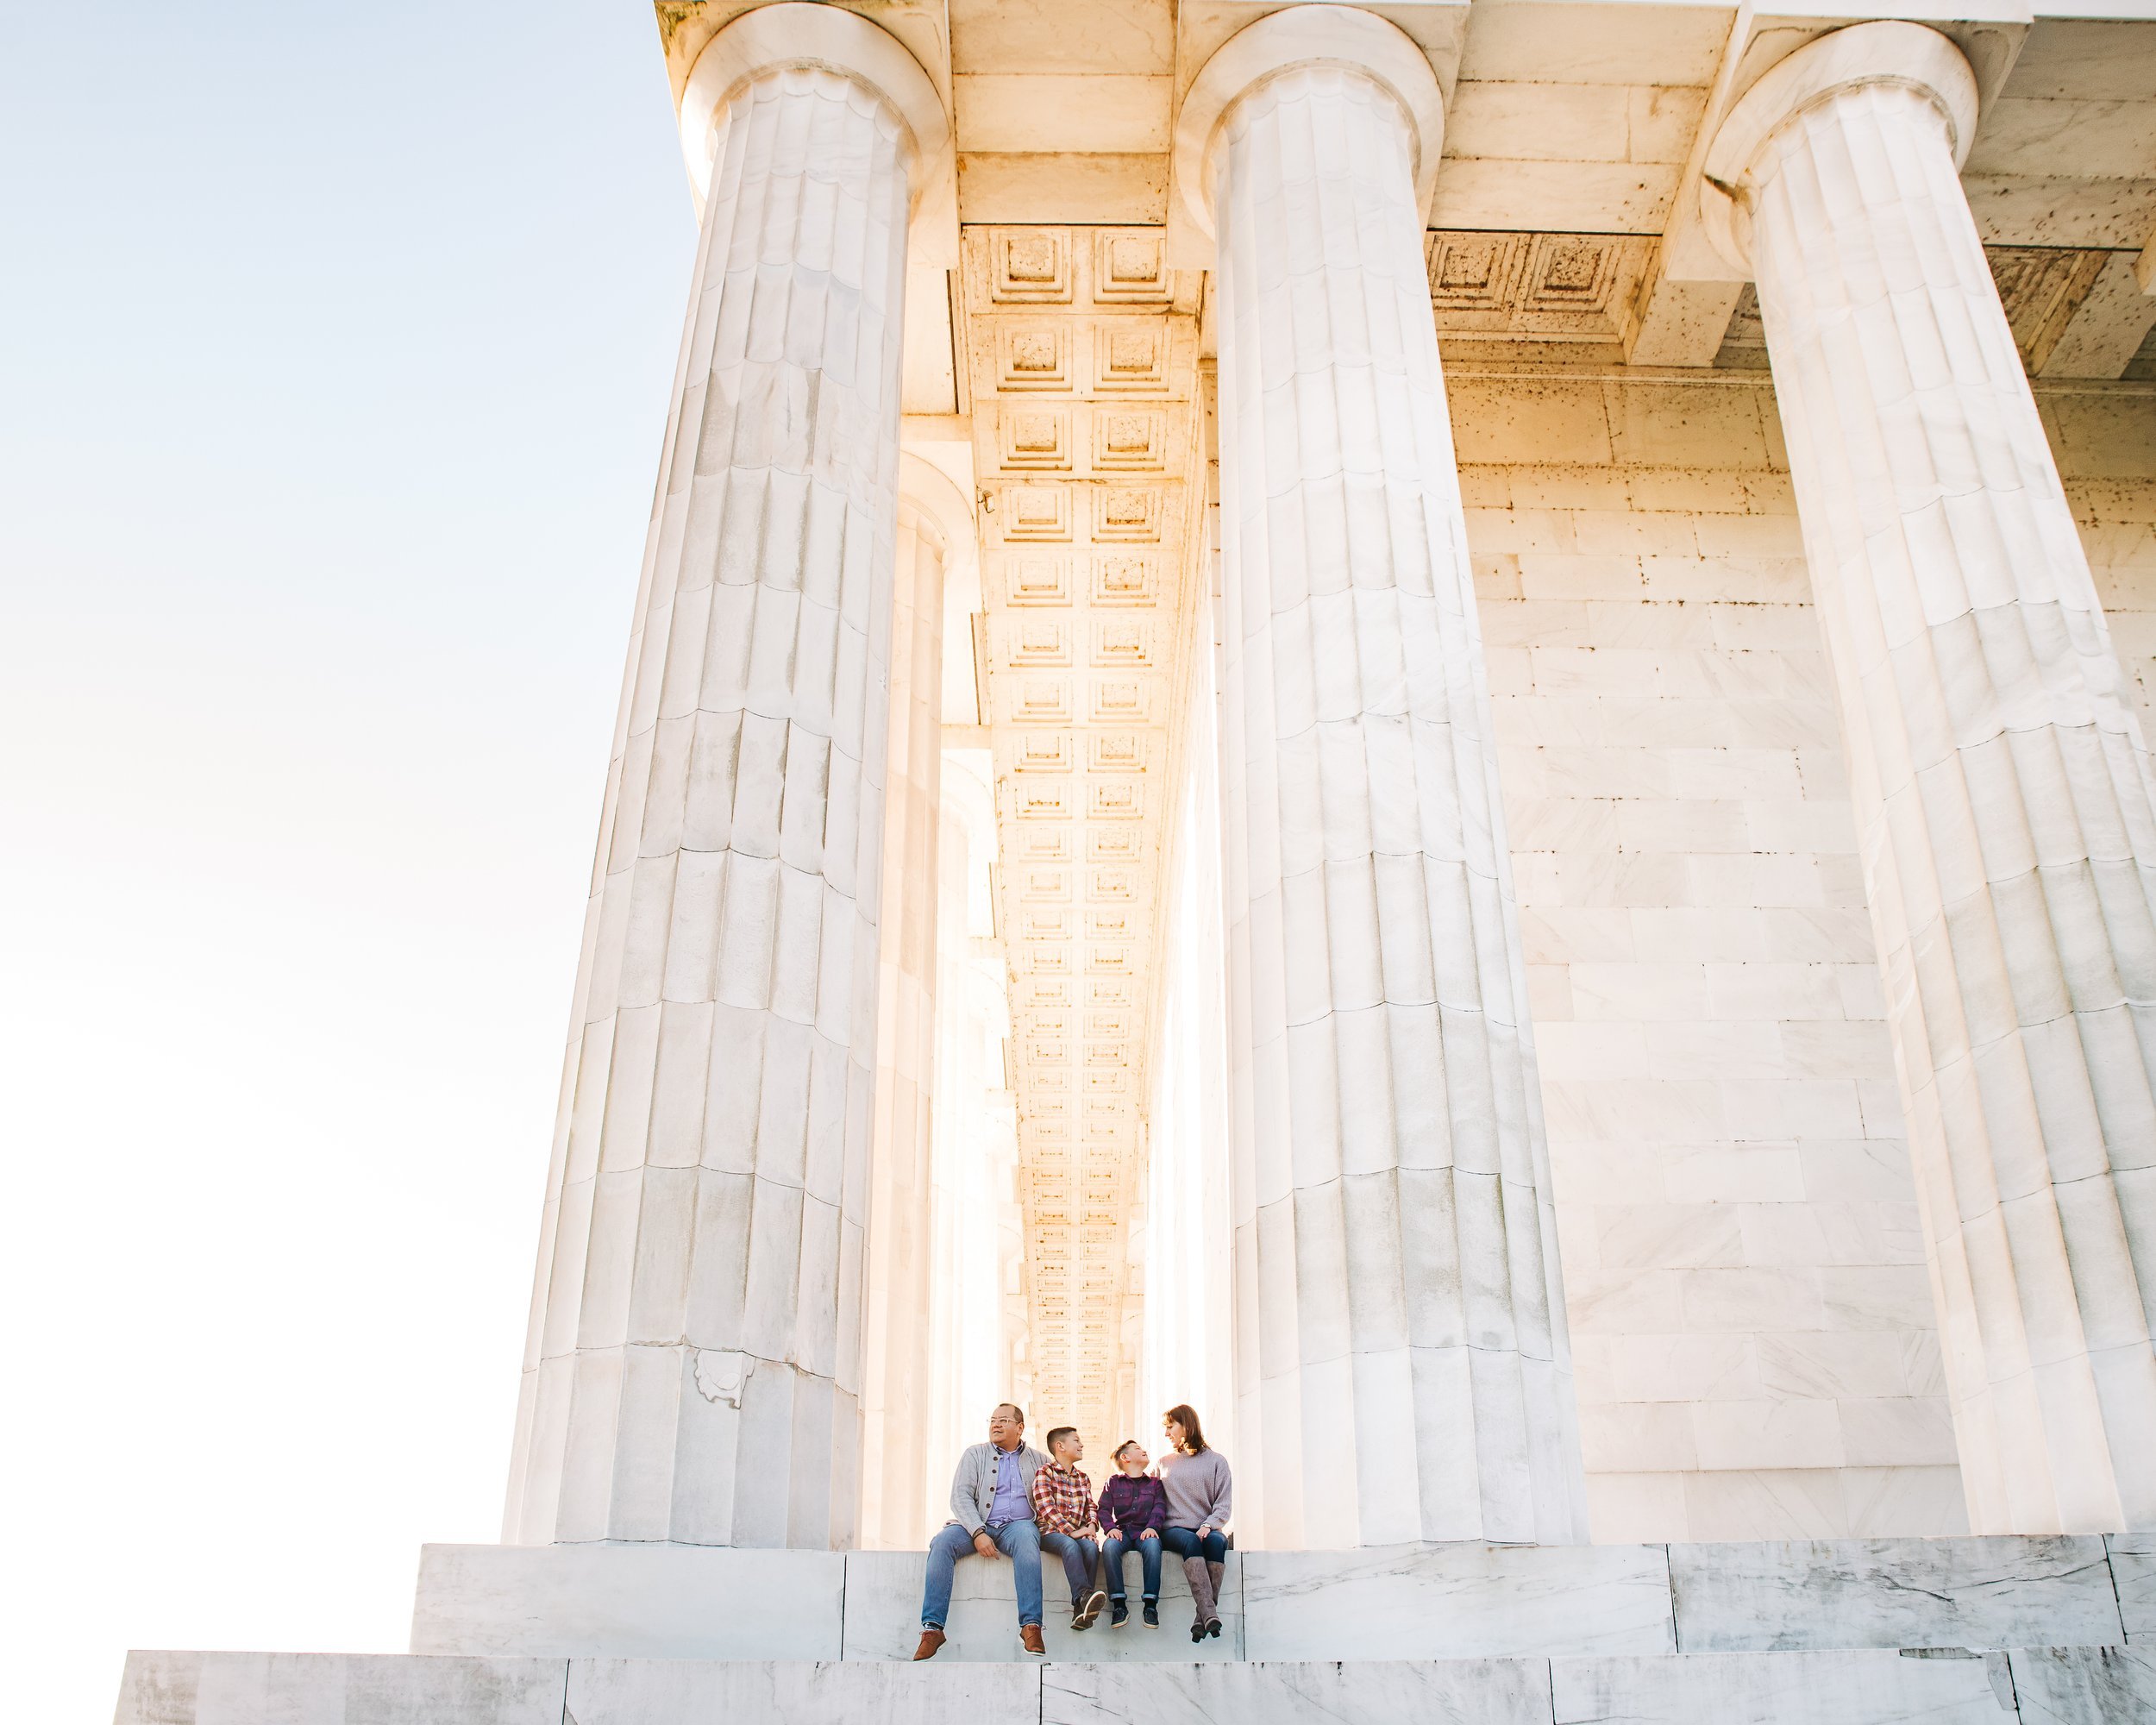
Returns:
point(693, 1370)
point(883, 1614)
point(1866, 1688)
point(2084, 1685)
point(2133, 1574)
point(1428, 1692)
point(655, 1601)
point(1893, 1593)
point(677, 1691)
point(1402, 1361)
point(900, 1379)
point(976, 1309)
point(2001, 789)
point(1942, 1686)
point(1754, 1346)
point(1456, 1601)
point(338, 1689)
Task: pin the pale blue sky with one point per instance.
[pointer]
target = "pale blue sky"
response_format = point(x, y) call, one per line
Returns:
point(335, 345)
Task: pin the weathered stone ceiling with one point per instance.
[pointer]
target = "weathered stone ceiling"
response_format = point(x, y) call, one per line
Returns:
point(1082, 362)
point(2056, 299)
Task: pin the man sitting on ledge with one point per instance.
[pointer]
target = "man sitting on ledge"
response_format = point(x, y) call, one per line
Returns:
point(991, 1514)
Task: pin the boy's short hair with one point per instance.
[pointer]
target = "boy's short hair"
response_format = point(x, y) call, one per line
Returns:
point(1056, 1436)
point(1128, 1443)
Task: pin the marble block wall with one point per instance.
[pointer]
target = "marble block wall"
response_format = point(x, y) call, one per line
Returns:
point(1752, 1315)
point(1753, 1326)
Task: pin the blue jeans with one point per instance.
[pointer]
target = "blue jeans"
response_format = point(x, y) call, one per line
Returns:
point(1020, 1541)
point(1079, 1556)
point(1148, 1551)
point(1185, 1543)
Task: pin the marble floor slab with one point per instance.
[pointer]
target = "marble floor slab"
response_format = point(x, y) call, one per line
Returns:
point(692, 1692)
point(630, 1602)
point(2133, 1574)
point(883, 1615)
point(1997, 1592)
point(1865, 1687)
point(338, 1689)
point(1456, 1601)
point(1426, 1692)
point(2084, 1685)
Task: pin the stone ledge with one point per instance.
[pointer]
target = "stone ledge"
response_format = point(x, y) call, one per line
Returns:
point(1431, 1602)
point(1457, 1600)
point(651, 1601)
point(2025, 1686)
point(1974, 1592)
point(2133, 1573)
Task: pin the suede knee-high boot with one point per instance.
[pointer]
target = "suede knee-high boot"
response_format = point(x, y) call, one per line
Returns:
point(1200, 1594)
point(1215, 1572)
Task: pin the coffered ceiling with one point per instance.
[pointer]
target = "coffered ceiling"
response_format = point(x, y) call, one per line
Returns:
point(1082, 370)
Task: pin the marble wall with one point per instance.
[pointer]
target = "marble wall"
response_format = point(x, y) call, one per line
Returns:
point(1752, 1320)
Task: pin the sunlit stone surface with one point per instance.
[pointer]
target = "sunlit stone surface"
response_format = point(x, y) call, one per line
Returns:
point(694, 1369)
point(1427, 727)
point(1403, 1370)
point(2001, 784)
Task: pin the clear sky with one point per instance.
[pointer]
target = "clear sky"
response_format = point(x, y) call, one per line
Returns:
point(335, 346)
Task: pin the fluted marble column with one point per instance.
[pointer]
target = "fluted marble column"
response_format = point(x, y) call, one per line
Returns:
point(934, 524)
point(2001, 789)
point(1402, 1358)
point(693, 1369)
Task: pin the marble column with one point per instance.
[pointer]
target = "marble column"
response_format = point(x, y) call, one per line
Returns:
point(2001, 785)
point(693, 1371)
point(897, 1367)
point(1402, 1364)
point(977, 1240)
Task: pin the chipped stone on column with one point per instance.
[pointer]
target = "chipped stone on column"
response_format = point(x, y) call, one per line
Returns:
point(693, 1372)
point(1999, 776)
point(1403, 1365)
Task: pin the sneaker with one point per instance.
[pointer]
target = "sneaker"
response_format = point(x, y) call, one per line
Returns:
point(1152, 1614)
point(1090, 1608)
point(1118, 1614)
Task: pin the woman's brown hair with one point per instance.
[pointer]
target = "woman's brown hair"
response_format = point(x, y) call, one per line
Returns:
point(1194, 1434)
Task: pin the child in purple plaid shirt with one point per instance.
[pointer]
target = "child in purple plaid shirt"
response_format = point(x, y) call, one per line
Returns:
point(1133, 1510)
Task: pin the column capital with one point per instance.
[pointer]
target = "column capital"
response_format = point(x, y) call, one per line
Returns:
point(803, 33)
point(1888, 51)
point(1305, 35)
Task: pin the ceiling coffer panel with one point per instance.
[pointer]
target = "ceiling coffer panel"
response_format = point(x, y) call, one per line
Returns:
point(1082, 352)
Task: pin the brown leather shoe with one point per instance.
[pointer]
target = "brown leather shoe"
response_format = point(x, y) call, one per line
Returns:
point(1030, 1637)
point(930, 1640)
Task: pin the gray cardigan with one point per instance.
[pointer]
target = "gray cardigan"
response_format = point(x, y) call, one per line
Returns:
point(973, 1487)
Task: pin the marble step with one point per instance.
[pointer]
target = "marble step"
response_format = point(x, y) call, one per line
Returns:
point(1431, 1602)
point(1938, 1686)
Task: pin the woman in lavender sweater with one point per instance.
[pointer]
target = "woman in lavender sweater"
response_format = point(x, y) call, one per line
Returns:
point(1200, 1497)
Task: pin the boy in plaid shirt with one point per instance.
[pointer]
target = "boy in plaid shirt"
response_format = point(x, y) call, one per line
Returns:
point(1062, 1510)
